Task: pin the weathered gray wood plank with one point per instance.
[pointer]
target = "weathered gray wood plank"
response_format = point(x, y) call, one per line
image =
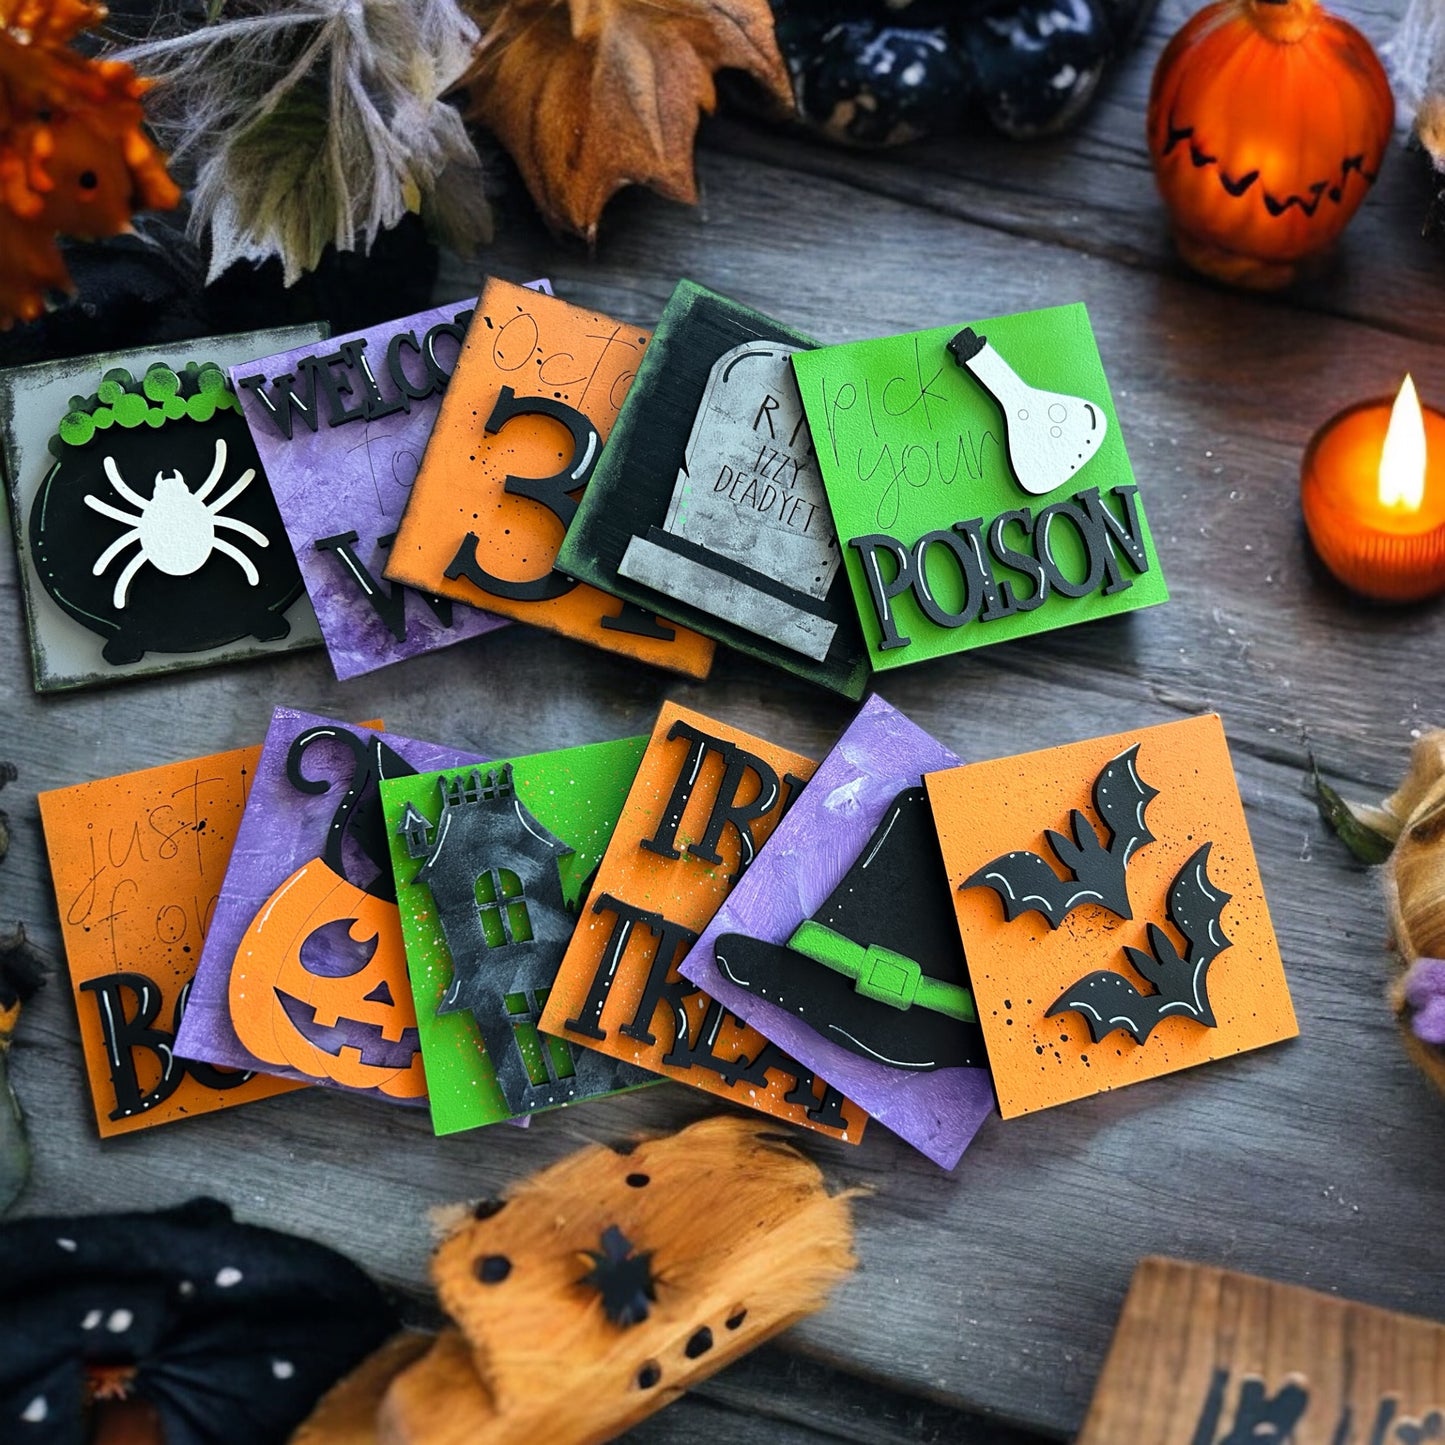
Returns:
point(996, 1287)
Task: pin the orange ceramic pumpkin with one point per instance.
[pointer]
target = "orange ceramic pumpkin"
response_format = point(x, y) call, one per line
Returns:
point(1268, 120)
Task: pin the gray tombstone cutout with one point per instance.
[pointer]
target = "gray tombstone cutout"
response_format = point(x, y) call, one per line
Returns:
point(748, 535)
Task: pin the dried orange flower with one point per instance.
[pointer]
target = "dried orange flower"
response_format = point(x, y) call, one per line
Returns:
point(73, 157)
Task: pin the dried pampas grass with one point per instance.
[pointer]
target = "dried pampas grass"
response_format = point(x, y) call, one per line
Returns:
point(318, 123)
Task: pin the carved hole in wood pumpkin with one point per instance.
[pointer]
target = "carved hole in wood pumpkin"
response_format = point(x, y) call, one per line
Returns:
point(493, 1268)
point(699, 1344)
point(638, 1181)
point(486, 1208)
point(649, 1375)
point(734, 1320)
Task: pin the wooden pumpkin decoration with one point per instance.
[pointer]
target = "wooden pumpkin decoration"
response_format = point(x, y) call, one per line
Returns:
point(318, 986)
point(601, 1289)
point(1268, 120)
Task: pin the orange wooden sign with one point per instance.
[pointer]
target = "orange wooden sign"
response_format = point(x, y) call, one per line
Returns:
point(704, 801)
point(1111, 912)
point(534, 395)
point(137, 862)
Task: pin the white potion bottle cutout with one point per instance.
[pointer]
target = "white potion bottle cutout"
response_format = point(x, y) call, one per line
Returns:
point(1050, 435)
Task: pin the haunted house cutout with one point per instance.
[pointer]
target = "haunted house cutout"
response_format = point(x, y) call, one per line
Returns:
point(879, 969)
point(492, 871)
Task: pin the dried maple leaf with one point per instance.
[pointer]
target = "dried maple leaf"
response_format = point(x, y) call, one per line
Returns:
point(593, 95)
point(73, 157)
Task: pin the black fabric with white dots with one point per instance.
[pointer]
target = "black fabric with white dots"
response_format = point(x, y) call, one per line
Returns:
point(231, 1332)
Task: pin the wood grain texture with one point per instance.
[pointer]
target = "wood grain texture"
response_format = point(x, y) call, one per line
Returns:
point(1204, 1355)
point(997, 1287)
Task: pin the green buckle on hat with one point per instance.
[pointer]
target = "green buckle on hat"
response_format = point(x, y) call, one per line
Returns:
point(880, 974)
point(888, 977)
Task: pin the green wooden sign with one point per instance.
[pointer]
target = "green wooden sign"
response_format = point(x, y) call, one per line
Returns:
point(491, 865)
point(979, 483)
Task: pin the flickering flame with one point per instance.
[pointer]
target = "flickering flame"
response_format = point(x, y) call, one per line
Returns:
point(1402, 461)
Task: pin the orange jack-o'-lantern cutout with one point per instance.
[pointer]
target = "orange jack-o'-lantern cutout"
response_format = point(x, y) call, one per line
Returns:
point(319, 985)
point(1268, 120)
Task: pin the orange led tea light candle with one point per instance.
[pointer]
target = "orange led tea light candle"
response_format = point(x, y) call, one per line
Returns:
point(1372, 486)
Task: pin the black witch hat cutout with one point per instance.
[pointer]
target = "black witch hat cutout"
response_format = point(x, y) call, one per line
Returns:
point(879, 969)
point(491, 867)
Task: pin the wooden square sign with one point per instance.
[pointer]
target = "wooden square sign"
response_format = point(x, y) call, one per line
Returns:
point(1209, 1357)
point(146, 533)
point(138, 862)
point(1111, 912)
point(707, 505)
point(704, 801)
point(492, 865)
point(978, 482)
point(531, 401)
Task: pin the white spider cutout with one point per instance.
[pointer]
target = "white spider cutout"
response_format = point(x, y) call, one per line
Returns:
point(176, 528)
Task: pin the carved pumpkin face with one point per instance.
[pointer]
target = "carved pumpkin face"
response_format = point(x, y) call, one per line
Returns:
point(1268, 120)
point(320, 986)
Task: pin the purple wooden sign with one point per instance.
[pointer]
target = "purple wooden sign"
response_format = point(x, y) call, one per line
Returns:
point(880, 753)
point(302, 973)
point(341, 427)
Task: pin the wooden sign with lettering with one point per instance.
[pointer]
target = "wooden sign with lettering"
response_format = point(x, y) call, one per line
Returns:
point(707, 505)
point(979, 483)
point(1111, 910)
point(491, 866)
point(138, 862)
point(341, 428)
point(304, 971)
point(534, 395)
point(1206, 1356)
point(705, 799)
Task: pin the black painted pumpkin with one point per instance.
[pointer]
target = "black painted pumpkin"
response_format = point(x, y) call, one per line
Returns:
point(882, 72)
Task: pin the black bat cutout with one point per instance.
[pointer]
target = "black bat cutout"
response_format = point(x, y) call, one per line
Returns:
point(1026, 883)
point(1108, 1001)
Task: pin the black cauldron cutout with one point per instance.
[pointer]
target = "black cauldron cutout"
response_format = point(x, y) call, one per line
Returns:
point(155, 527)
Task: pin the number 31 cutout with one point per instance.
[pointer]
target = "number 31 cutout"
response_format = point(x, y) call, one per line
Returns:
point(535, 392)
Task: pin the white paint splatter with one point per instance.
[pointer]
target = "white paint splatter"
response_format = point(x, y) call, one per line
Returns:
point(120, 1321)
point(282, 1369)
point(68, 1245)
point(914, 74)
point(92, 1319)
point(36, 1411)
point(229, 1276)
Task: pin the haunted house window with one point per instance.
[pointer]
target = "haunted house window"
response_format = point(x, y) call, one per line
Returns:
point(502, 908)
